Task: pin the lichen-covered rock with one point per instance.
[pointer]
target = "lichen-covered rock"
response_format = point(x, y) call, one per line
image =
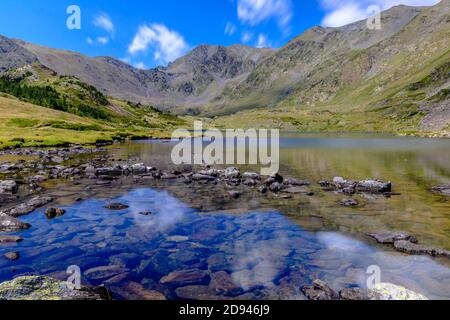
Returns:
point(374, 186)
point(8, 186)
point(389, 291)
point(45, 288)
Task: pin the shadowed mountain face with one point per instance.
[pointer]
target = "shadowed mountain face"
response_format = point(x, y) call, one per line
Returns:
point(344, 69)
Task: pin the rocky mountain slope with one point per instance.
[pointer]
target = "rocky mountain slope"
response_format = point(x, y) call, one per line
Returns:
point(347, 78)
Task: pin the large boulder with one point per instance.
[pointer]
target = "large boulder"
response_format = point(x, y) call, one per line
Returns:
point(8, 186)
point(45, 288)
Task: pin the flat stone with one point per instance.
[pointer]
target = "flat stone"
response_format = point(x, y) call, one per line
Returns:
point(355, 294)
point(8, 186)
point(224, 284)
point(374, 186)
point(391, 237)
point(27, 207)
point(442, 190)
point(416, 249)
point(116, 206)
point(44, 288)
point(10, 239)
point(389, 291)
point(296, 190)
point(349, 202)
point(234, 194)
point(178, 239)
point(11, 224)
point(186, 278)
point(296, 182)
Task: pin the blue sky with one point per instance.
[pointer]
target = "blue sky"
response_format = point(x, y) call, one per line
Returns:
point(147, 33)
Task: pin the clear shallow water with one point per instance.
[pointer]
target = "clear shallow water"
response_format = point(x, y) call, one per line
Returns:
point(265, 252)
point(271, 246)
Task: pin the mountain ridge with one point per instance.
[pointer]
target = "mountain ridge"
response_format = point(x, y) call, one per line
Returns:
point(322, 71)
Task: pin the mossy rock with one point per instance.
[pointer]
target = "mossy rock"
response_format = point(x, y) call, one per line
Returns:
point(45, 288)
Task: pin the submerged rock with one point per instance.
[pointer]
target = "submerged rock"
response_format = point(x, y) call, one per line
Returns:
point(197, 293)
point(52, 213)
point(10, 239)
point(374, 186)
point(391, 237)
point(45, 288)
point(320, 290)
point(135, 291)
point(116, 206)
point(224, 284)
point(104, 272)
point(13, 256)
point(11, 224)
point(413, 248)
point(185, 278)
point(389, 291)
point(28, 207)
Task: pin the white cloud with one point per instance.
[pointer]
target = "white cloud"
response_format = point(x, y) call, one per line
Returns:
point(263, 41)
point(140, 65)
point(246, 36)
point(104, 21)
point(89, 40)
point(253, 12)
point(167, 45)
point(342, 12)
point(230, 29)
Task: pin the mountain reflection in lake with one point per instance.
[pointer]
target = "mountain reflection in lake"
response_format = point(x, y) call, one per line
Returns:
point(267, 255)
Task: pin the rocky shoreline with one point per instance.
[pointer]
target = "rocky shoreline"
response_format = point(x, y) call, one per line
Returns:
point(22, 191)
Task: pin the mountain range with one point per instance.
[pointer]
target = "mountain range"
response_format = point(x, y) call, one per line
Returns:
point(327, 79)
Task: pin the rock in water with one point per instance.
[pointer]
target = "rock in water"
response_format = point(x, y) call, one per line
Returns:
point(10, 224)
point(10, 239)
point(374, 186)
point(413, 248)
point(13, 256)
point(442, 190)
point(45, 288)
point(28, 207)
point(8, 186)
point(185, 278)
point(391, 237)
point(116, 206)
point(320, 291)
point(52, 213)
point(389, 291)
point(349, 202)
